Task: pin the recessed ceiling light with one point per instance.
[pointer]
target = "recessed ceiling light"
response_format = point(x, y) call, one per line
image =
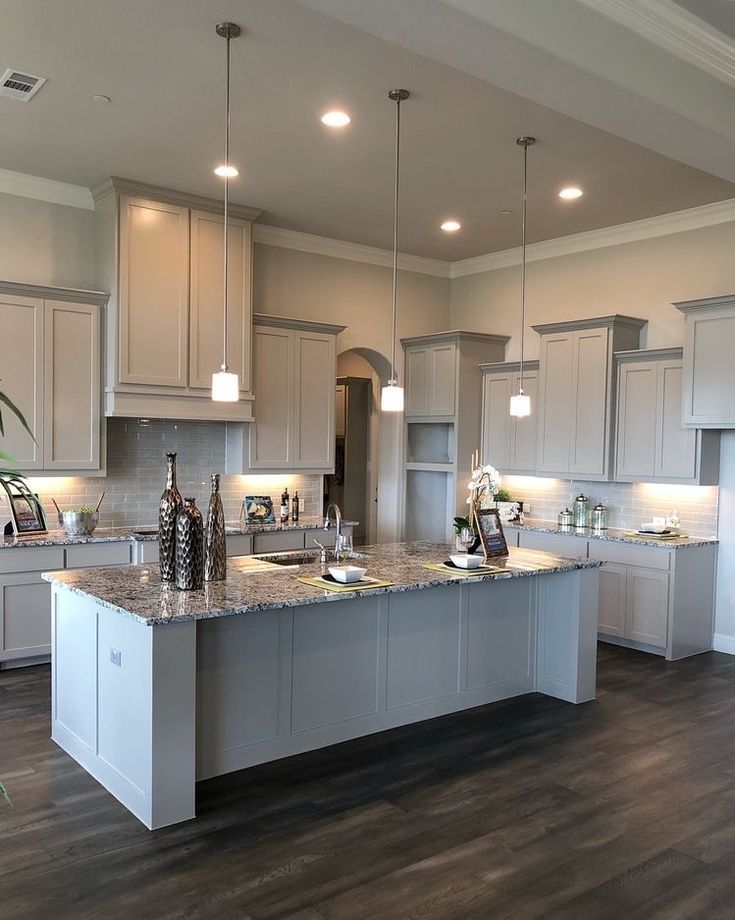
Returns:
point(336, 119)
point(228, 172)
point(100, 98)
point(451, 226)
point(570, 193)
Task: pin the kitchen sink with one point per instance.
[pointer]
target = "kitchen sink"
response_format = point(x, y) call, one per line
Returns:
point(301, 557)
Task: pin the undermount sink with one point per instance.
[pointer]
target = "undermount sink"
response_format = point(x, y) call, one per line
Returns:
point(301, 557)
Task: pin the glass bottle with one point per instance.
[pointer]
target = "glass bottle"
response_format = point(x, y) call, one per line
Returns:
point(215, 550)
point(168, 509)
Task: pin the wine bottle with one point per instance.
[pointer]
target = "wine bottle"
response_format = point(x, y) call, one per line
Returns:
point(284, 506)
point(295, 507)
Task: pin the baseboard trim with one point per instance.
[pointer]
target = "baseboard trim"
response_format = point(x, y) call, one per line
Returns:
point(722, 642)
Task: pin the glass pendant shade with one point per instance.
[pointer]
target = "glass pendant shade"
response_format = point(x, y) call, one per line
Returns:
point(391, 398)
point(225, 387)
point(520, 405)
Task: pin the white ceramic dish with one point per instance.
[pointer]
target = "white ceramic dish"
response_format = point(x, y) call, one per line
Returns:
point(466, 561)
point(347, 574)
point(657, 528)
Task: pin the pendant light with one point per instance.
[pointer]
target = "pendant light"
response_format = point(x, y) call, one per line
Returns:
point(391, 397)
point(225, 385)
point(520, 404)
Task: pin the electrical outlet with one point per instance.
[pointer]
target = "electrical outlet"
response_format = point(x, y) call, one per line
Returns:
point(116, 656)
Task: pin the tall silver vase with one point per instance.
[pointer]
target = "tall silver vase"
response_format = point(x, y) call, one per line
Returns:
point(215, 550)
point(169, 507)
point(189, 547)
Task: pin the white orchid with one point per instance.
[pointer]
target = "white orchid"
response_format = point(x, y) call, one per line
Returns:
point(484, 483)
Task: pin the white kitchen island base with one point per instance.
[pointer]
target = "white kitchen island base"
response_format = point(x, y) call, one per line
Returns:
point(149, 709)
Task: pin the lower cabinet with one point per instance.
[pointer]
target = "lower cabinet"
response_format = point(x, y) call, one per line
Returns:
point(611, 616)
point(634, 603)
point(25, 616)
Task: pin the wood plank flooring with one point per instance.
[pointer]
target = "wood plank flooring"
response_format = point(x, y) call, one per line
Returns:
point(624, 807)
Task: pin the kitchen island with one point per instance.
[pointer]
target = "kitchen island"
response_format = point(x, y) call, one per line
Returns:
point(153, 688)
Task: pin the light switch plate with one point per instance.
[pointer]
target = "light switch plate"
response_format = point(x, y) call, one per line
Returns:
point(116, 656)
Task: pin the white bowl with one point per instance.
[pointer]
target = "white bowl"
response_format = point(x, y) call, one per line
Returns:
point(347, 574)
point(467, 561)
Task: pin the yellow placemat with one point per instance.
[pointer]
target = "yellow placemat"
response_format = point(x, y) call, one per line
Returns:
point(656, 536)
point(462, 573)
point(248, 564)
point(317, 582)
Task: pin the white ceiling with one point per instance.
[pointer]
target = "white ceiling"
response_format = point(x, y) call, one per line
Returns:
point(162, 65)
point(720, 14)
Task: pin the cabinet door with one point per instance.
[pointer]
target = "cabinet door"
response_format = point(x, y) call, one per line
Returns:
point(709, 368)
point(524, 431)
point(314, 401)
point(589, 404)
point(556, 408)
point(340, 411)
point(72, 406)
point(611, 613)
point(417, 381)
point(442, 379)
point(647, 602)
point(636, 430)
point(206, 316)
point(21, 378)
point(273, 388)
point(154, 293)
point(25, 616)
point(496, 421)
point(676, 448)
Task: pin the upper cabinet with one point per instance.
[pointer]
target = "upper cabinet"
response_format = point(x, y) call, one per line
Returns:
point(294, 373)
point(650, 442)
point(509, 443)
point(709, 369)
point(577, 388)
point(160, 253)
point(50, 360)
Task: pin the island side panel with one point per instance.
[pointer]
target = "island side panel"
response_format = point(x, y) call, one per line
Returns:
point(567, 635)
point(123, 705)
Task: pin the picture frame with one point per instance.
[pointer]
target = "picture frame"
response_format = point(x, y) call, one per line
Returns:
point(489, 529)
point(259, 509)
point(26, 511)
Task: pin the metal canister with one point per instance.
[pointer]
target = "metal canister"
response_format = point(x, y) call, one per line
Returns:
point(566, 519)
point(581, 512)
point(599, 517)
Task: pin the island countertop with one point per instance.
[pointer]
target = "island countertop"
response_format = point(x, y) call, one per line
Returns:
point(137, 591)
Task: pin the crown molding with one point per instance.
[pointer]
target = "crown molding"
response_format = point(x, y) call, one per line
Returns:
point(291, 322)
point(676, 30)
point(26, 186)
point(708, 215)
point(353, 252)
point(48, 292)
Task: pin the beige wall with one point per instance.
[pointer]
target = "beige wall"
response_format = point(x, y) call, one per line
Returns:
point(43, 243)
point(640, 279)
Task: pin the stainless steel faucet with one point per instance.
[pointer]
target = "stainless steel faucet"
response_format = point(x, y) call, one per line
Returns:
point(337, 524)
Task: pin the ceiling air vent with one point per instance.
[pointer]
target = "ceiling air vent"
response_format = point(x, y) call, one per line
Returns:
point(17, 85)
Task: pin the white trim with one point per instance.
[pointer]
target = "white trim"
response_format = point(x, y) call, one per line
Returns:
point(26, 186)
point(721, 642)
point(673, 28)
point(708, 215)
point(341, 249)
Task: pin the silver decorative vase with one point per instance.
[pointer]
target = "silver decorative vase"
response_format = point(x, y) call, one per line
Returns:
point(215, 550)
point(189, 547)
point(169, 507)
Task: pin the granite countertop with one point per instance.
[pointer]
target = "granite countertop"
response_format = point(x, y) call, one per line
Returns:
point(149, 532)
point(611, 534)
point(137, 591)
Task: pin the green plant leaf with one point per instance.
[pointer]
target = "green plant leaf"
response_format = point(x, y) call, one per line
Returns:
point(16, 411)
point(4, 456)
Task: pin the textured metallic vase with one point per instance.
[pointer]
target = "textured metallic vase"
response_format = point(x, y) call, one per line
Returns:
point(170, 506)
point(189, 547)
point(215, 550)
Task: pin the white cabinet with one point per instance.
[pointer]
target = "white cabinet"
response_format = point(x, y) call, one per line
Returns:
point(50, 361)
point(431, 383)
point(709, 369)
point(650, 442)
point(507, 442)
point(611, 610)
point(161, 255)
point(646, 605)
point(577, 394)
point(294, 373)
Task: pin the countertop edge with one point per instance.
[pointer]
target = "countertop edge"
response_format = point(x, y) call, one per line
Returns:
point(612, 535)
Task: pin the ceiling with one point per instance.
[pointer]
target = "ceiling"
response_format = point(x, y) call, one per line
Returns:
point(162, 66)
point(720, 14)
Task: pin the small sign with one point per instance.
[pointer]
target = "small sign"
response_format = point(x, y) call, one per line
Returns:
point(259, 509)
point(490, 531)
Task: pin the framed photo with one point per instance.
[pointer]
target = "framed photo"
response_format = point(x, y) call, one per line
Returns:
point(259, 509)
point(26, 511)
point(490, 531)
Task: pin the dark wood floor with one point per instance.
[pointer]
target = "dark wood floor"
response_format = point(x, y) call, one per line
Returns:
point(624, 807)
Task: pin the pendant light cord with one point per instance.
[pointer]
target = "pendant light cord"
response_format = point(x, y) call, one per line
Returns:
point(395, 239)
point(227, 200)
point(523, 260)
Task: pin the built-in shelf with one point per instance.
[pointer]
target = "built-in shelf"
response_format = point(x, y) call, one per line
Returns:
point(446, 467)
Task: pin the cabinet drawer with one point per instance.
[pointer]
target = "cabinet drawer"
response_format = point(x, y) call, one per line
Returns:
point(94, 554)
point(560, 543)
point(32, 559)
point(278, 542)
point(648, 557)
point(25, 616)
point(239, 544)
